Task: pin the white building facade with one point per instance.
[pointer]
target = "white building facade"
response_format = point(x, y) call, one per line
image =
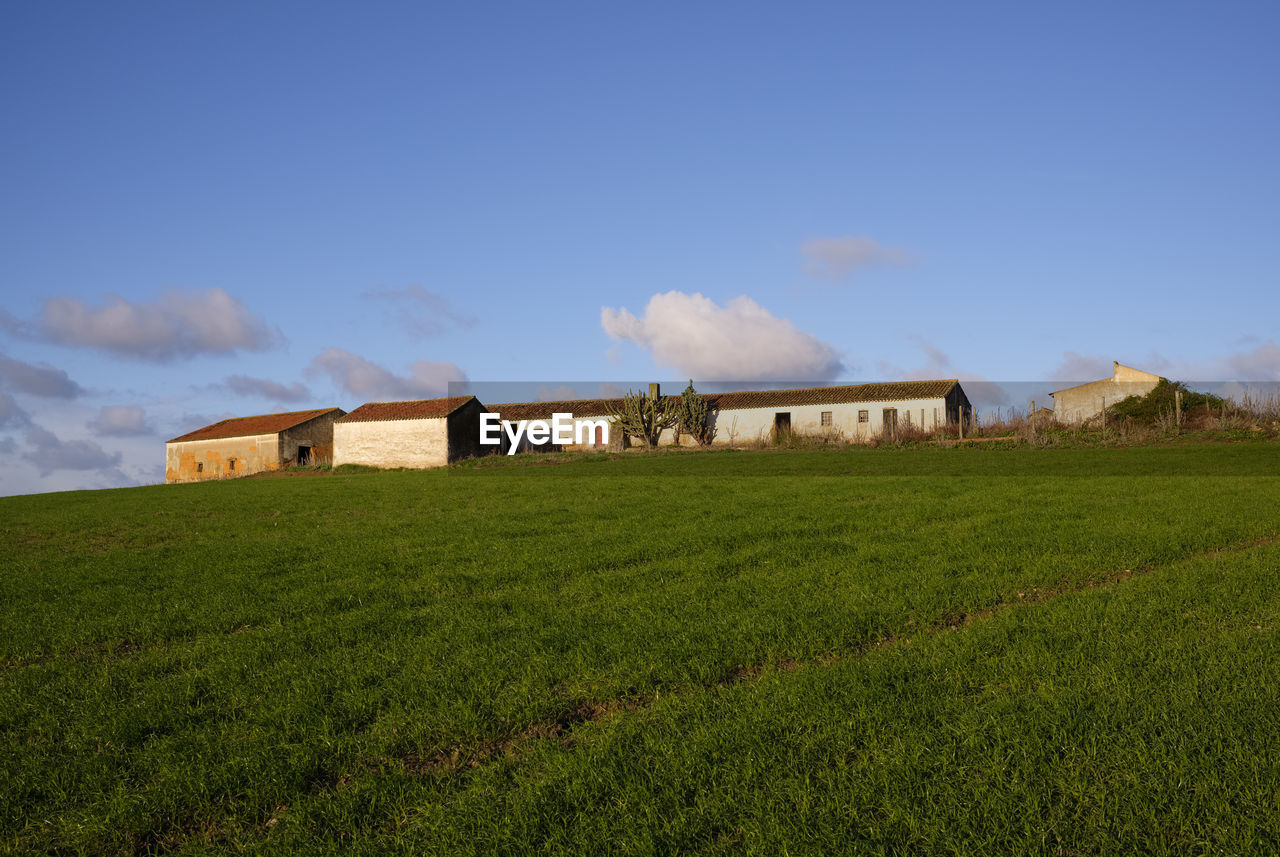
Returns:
point(855, 413)
point(415, 434)
point(1085, 401)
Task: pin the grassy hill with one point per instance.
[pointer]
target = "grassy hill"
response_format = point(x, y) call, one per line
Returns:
point(854, 651)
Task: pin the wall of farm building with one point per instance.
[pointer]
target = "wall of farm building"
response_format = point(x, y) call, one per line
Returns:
point(392, 443)
point(756, 424)
point(1087, 401)
point(464, 432)
point(591, 435)
point(316, 433)
point(199, 460)
point(588, 433)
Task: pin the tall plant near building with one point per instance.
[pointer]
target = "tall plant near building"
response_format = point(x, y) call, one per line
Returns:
point(691, 416)
point(644, 417)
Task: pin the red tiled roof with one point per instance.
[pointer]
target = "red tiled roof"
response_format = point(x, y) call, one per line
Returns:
point(516, 411)
point(892, 391)
point(250, 426)
point(422, 409)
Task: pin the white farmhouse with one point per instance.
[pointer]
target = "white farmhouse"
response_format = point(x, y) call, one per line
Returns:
point(853, 412)
point(417, 434)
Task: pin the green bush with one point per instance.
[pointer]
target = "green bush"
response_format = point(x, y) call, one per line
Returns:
point(1161, 401)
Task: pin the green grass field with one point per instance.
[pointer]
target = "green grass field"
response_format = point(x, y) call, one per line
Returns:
point(853, 651)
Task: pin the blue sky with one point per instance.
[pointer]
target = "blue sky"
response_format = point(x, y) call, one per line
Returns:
point(217, 209)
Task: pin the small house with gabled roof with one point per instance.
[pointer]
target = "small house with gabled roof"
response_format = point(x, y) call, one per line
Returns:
point(243, 445)
point(854, 412)
point(416, 434)
point(1086, 401)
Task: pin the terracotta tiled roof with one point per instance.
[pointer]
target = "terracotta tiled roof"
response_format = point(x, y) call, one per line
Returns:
point(516, 411)
point(250, 426)
point(893, 391)
point(422, 409)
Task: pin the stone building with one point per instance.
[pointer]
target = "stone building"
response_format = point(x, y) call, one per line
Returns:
point(1085, 401)
point(418, 434)
point(245, 445)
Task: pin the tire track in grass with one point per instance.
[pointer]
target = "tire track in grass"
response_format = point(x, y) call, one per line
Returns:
point(459, 759)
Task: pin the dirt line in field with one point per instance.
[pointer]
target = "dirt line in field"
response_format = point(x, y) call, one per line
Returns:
point(562, 727)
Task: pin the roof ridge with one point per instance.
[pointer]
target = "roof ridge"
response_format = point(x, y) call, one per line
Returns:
point(404, 409)
point(415, 401)
point(304, 416)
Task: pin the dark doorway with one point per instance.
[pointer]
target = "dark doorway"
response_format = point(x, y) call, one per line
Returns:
point(890, 421)
point(782, 424)
point(304, 455)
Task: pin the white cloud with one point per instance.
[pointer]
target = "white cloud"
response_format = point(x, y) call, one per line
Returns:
point(838, 258)
point(357, 376)
point(1079, 368)
point(937, 366)
point(180, 324)
point(37, 379)
point(10, 412)
point(741, 340)
point(937, 363)
point(265, 388)
point(191, 422)
point(48, 453)
point(120, 421)
point(421, 312)
point(1260, 364)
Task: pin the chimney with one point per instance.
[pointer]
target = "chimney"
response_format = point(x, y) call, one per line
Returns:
point(655, 390)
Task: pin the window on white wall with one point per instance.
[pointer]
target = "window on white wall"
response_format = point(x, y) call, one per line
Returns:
point(826, 418)
point(864, 416)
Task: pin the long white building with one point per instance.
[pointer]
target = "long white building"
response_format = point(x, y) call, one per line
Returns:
point(854, 413)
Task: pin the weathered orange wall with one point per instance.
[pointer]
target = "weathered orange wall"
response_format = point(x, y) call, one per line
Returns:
point(251, 454)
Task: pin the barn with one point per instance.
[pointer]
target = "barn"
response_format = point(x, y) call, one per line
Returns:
point(417, 434)
point(1085, 401)
point(244, 445)
point(854, 412)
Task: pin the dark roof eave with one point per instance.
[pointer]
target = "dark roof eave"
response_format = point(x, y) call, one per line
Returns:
point(376, 412)
point(270, 427)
